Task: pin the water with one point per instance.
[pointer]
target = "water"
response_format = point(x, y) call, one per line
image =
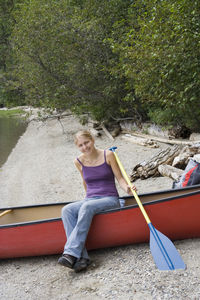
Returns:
point(10, 131)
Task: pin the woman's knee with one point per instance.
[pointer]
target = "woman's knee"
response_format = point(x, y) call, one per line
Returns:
point(87, 208)
point(71, 209)
point(66, 209)
point(97, 206)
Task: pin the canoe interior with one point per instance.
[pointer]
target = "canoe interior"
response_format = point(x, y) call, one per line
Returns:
point(36, 213)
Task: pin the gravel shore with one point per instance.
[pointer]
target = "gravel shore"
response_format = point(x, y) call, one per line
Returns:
point(40, 169)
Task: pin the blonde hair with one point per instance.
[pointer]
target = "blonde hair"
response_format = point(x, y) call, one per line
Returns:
point(83, 133)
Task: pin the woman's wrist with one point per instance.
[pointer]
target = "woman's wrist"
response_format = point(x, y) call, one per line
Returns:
point(129, 189)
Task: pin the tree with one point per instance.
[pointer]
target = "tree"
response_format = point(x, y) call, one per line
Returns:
point(63, 58)
point(111, 58)
point(10, 93)
point(160, 54)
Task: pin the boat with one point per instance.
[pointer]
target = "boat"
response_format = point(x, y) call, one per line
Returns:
point(36, 230)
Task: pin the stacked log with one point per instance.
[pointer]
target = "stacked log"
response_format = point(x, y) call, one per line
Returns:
point(150, 168)
point(185, 154)
point(169, 162)
point(171, 172)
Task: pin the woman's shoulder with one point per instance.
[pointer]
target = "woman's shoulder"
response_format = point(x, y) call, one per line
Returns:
point(109, 155)
point(78, 160)
point(108, 152)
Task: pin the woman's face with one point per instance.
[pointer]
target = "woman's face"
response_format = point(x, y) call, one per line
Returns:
point(85, 144)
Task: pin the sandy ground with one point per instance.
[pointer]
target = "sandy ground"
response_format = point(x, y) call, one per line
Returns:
point(40, 170)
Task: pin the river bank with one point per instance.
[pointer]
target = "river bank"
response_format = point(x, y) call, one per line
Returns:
point(40, 169)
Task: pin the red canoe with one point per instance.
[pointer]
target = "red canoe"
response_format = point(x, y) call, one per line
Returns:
point(38, 230)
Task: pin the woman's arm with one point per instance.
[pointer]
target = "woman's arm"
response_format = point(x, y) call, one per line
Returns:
point(110, 158)
point(79, 167)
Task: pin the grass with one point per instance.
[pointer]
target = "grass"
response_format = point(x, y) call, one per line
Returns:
point(11, 113)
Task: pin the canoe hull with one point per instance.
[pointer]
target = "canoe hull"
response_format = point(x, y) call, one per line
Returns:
point(177, 219)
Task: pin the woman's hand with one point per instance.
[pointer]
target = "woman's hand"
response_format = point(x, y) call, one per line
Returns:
point(129, 192)
point(111, 160)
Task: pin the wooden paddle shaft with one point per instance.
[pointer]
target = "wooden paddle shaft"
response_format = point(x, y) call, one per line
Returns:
point(5, 212)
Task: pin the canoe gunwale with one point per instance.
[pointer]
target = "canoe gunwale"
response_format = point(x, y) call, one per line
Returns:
point(121, 197)
point(171, 198)
point(30, 223)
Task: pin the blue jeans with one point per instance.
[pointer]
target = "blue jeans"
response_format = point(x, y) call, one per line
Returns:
point(77, 218)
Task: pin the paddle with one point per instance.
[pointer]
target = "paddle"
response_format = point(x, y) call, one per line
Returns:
point(5, 212)
point(165, 255)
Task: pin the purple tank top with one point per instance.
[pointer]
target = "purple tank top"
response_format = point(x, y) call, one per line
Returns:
point(100, 180)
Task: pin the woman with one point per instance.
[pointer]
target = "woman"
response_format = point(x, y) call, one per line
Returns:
point(98, 169)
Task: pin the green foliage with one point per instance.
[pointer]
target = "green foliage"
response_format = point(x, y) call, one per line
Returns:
point(163, 116)
point(10, 92)
point(160, 54)
point(62, 56)
point(113, 58)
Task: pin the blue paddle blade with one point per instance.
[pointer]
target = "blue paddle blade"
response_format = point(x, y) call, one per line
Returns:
point(165, 255)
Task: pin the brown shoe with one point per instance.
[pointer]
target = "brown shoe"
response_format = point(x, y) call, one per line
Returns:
point(67, 260)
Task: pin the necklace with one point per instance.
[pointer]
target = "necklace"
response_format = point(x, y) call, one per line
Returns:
point(94, 161)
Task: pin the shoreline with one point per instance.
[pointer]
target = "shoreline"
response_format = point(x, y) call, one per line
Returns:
point(40, 170)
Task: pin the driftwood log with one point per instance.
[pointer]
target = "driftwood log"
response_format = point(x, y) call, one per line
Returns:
point(107, 133)
point(185, 154)
point(162, 139)
point(140, 141)
point(169, 162)
point(150, 168)
point(171, 172)
point(96, 129)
